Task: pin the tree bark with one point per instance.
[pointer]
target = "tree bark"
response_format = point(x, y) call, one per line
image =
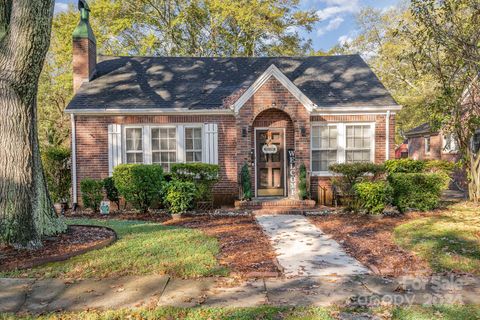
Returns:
point(474, 177)
point(26, 211)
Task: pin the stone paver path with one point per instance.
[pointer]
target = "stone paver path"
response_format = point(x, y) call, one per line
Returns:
point(304, 250)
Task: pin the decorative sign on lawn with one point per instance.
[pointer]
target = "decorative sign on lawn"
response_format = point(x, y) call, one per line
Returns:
point(292, 178)
point(269, 149)
point(105, 207)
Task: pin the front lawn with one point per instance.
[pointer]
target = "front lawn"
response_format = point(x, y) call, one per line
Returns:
point(268, 312)
point(143, 248)
point(449, 241)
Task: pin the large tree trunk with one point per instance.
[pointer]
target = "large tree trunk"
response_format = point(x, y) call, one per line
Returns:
point(26, 211)
point(474, 177)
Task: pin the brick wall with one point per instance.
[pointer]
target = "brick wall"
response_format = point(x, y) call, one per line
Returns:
point(416, 149)
point(92, 147)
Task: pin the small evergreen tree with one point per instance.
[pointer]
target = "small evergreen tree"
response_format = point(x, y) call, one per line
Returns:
point(246, 182)
point(302, 183)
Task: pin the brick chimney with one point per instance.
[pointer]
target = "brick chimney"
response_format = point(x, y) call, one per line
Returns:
point(84, 48)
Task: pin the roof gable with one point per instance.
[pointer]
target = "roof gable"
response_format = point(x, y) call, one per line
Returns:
point(273, 71)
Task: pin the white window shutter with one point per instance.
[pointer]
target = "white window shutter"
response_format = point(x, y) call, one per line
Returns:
point(114, 146)
point(211, 143)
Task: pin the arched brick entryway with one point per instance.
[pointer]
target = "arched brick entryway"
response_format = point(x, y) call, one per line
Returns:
point(271, 136)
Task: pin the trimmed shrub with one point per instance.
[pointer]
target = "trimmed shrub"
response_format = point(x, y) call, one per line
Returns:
point(351, 173)
point(404, 165)
point(246, 183)
point(111, 191)
point(92, 193)
point(203, 175)
point(180, 196)
point(56, 164)
point(302, 183)
point(373, 196)
point(416, 191)
point(140, 184)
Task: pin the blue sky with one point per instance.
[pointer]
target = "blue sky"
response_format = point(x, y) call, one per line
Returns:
point(337, 18)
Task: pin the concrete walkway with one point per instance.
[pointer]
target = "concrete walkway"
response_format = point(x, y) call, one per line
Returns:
point(40, 296)
point(304, 250)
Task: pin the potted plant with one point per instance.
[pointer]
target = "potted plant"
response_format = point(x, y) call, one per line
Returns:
point(179, 197)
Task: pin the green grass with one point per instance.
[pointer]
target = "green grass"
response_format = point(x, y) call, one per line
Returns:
point(267, 312)
point(143, 248)
point(449, 241)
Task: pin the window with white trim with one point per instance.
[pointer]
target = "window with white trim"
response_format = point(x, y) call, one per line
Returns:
point(449, 143)
point(324, 147)
point(193, 144)
point(339, 143)
point(164, 146)
point(427, 145)
point(358, 146)
point(134, 145)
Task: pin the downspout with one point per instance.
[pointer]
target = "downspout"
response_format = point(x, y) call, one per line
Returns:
point(74, 161)
point(387, 136)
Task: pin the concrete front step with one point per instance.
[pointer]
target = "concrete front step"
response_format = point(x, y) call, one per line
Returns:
point(283, 203)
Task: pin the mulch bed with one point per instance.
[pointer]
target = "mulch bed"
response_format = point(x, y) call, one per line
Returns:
point(159, 217)
point(244, 248)
point(76, 240)
point(370, 240)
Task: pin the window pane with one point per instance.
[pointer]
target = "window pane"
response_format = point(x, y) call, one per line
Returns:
point(322, 160)
point(134, 157)
point(133, 139)
point(189, 144)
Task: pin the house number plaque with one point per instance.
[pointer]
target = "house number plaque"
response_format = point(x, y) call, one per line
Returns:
point(269, 149)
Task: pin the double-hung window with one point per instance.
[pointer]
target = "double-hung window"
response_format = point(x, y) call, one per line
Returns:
point(164, 146)
point(324, 147)
point(339, 143)
point(427, 145)
point(193, 144)
point(134, 145)
point(358, 146)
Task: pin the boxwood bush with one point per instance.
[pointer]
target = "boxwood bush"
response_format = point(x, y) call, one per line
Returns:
point(180, 196)
point(373, 196)
point(203, 175)
point(420, 191)
point(140, 184)
point(92, 193)
point(404, 165)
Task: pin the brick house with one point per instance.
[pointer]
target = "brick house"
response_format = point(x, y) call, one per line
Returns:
point(272, 113)
point(427, 144)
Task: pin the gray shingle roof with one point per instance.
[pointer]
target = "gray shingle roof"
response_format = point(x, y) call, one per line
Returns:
point(420, 130)
point(203, 83)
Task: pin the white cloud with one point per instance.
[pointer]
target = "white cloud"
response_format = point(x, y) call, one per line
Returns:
point(60, 7)
point(333, 24)
point(345, 39)
point(336, 7)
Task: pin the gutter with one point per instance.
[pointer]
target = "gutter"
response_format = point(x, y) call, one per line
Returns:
point(179, 111)
point(387, 136)
point(74, 161)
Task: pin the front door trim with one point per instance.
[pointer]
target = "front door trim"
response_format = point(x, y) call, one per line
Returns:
point(285, 191)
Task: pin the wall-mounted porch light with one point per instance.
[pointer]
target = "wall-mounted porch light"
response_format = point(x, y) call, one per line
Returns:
point(303, 131)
